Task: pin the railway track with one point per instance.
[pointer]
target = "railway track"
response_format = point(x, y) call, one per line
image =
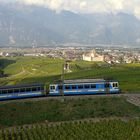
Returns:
point(133, 98)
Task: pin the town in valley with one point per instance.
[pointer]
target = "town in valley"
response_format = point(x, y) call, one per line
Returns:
point(108, 54)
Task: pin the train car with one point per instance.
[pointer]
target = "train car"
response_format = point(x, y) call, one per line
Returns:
point(21, 91)
point(84, 86)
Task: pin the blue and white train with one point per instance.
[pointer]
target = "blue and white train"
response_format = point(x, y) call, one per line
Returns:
point(67, 87)
point(84, 86)
point(21, 91)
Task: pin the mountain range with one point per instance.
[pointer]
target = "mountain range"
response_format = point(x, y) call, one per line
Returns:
point(22, 25)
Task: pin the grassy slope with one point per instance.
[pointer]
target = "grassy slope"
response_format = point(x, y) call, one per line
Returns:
point(43, 70)
point(30, 67)
point(25, 112)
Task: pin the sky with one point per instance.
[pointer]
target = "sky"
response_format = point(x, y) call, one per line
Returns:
point(87, 6)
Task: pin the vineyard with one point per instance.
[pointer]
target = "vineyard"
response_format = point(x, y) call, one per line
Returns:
point(82, 130)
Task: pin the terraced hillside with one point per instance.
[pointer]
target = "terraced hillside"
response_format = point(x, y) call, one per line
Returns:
point(102, 130)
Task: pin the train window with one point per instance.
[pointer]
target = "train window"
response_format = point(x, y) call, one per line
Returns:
point(34, 89)
point(93, 86)
point(67, 87)
point(86, 86)
point(16, 90)
point(22, 90)
point(10, 91)
point(60, 87)
point(73, 86)
point(4, 91)
point(80, 86)
point(52, 87)
point(115, 84)
point(107, 85)
point(28, 89)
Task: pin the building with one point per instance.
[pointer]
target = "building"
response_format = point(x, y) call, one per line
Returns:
point(92, 56)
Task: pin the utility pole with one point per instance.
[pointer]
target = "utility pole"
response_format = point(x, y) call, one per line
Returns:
point(64, 68)
point(62, 82)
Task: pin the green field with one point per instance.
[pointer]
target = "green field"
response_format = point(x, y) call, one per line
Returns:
point(46, 70)
point(84, 130)
point(20, 68)
point(27, 112)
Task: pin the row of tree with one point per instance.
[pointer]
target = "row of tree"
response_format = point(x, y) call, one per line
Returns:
point(1, 73)
point(83, 130)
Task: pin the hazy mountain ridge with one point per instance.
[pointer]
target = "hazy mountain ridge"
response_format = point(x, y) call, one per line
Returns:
point(27, 25)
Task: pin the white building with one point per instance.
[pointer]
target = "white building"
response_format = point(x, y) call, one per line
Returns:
point(92, 56)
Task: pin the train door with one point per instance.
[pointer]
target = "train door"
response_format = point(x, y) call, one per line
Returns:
point(107, 87)
point(61, 89)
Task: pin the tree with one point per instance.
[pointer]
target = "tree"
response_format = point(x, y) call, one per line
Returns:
point(1, 73)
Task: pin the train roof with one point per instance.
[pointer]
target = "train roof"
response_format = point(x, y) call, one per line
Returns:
point(19, 86)
point(84, 81)
point(80, 81)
